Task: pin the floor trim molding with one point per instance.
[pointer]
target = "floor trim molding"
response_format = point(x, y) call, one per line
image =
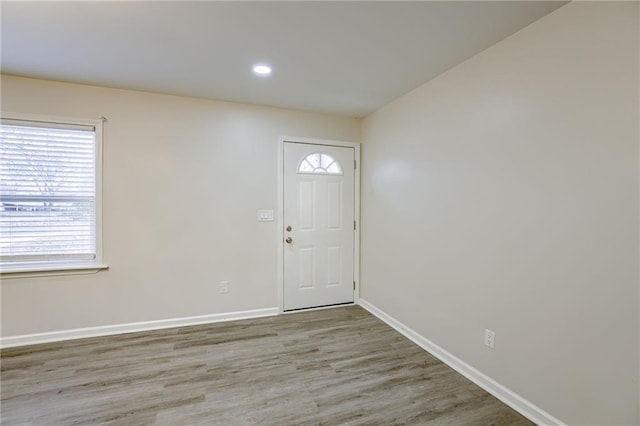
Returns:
point(512, 399)
point(107, 330)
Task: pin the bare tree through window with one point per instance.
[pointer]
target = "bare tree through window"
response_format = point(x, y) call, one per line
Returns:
point(47, 193)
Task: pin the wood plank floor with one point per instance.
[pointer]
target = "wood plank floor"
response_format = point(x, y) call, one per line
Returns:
point(329, 367)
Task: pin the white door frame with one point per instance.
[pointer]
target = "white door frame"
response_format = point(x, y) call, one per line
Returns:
point(356, 235)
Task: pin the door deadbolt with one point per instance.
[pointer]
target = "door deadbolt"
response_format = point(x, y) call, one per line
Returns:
point(288, 229)
point(289, 240)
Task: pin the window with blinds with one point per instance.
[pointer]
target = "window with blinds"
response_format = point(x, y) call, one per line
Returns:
point(47, 193)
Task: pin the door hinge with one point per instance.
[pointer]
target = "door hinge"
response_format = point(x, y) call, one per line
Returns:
point(354, 225)
point(354, 286)
point(354, 164)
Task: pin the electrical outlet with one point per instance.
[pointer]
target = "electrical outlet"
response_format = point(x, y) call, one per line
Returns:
point(489, 338)
point(224, 287)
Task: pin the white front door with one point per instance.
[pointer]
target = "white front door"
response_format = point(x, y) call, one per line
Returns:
point(319, 208)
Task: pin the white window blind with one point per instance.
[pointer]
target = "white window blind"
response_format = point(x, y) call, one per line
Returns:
point(47, 193)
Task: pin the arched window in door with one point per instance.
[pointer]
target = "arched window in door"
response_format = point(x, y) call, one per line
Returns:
point(319, 163)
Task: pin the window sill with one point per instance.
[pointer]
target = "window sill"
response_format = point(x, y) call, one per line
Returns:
point(50, 270)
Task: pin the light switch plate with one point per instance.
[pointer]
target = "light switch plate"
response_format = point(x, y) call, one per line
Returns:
point(265, 215)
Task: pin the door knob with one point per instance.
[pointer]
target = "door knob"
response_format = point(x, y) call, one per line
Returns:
point(289, 240)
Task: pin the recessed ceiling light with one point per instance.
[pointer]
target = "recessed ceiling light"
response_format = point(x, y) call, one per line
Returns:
point(262, 69)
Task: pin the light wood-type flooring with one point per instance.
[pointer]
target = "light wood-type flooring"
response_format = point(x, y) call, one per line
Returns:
point(329, 367)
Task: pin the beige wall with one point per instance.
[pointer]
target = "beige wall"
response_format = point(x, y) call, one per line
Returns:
point(183, 180)
point(504, 195)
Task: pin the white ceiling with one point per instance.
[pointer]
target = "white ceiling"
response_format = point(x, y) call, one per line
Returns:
point(345, 58)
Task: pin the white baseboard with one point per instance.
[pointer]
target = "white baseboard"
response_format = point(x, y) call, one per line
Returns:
point(512, 399)
point(80, 333)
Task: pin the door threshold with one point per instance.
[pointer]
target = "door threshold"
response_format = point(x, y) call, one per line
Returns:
point(318, 308)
